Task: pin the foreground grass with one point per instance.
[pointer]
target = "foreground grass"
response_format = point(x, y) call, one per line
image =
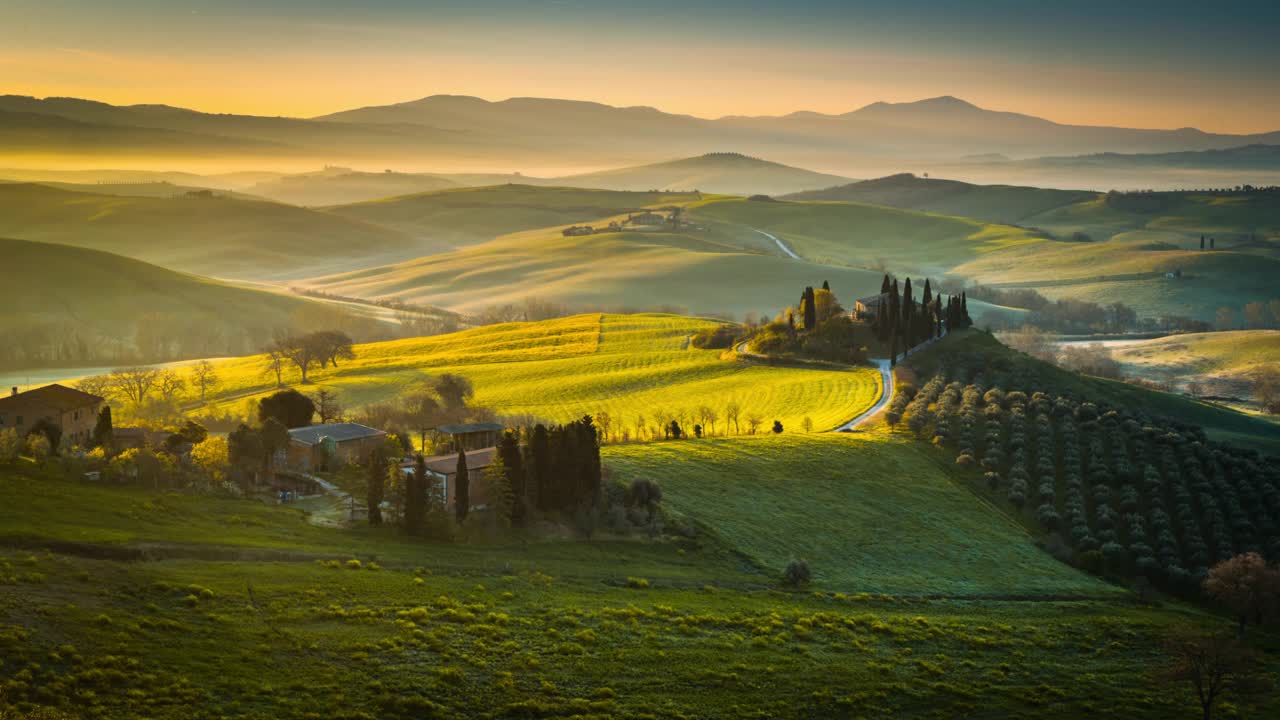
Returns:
point(625, 365)
point(365, 624)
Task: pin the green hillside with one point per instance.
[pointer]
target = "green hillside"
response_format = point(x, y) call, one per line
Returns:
point(625, 365)
point(728, 173)
point(834, 500)
point(215, 236)
point(1224, 363)
point(102, 300)
point(640, 270)
point(465, 216)
point(990, 203)
point(905, 241)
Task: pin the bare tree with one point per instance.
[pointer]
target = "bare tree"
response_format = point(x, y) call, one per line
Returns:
point(604, 422)
point(135, 383)
point(169, 384)
point(754, 420)
point(100, 385)
point(203, 376)
point(731, 414)
point(276, 361)
point(1212, 664)
point(327, 406)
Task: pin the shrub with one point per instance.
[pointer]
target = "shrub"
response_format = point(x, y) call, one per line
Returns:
point(797, 573)
point(638, 583)
point(10, 446)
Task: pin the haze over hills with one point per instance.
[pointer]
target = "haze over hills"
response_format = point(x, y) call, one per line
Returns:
point(722, 172)
point(993, 203)
point(210, 235)
point(547, 136)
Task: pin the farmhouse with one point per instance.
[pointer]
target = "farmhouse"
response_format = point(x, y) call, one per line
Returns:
point(868, 308)
point(318, 447)
point(646, 218)
point(75, 412)
point(470, 436)
point(444, 470)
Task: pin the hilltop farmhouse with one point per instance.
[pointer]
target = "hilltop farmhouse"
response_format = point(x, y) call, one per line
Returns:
point(74, 412)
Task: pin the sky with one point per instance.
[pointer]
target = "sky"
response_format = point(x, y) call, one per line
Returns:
point(1134, 63)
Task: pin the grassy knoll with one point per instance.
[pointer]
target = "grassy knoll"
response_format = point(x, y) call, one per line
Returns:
point(463, 216)
point(221, 237)
point(991, 203)
point(626, 365)
point(1223, 362)
point(867, 235)
point(869, 513)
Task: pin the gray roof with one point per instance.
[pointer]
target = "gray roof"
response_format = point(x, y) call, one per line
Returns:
point(340, 432)
point(470, 428)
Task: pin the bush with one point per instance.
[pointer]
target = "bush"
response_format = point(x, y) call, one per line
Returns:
point(638, 583)
point(720, 337)
point(10, 446)
point(797, 573)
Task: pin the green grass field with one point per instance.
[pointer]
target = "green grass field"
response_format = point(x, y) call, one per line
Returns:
point(245, 610)
point(868, 512)
point(625, 365)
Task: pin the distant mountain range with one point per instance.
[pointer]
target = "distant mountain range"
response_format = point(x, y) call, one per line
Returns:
point(539, 134)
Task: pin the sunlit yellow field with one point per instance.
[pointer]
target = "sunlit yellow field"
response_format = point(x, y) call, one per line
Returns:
point(625, 365)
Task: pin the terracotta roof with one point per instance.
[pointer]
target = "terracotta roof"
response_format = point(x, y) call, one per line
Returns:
point(448, 464)
point(470, 428)
point(340, 432)
point(58, 397)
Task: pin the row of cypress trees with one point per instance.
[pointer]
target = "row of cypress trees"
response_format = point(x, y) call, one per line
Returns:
point(905, 323)
point(544, 469)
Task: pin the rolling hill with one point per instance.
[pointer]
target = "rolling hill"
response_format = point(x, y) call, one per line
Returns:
point(992, 203)
point(69, 304)
point(869, 236)
point(215, 236)
point(628, 270)
point(454, 218)
point(726, 173)
point(1222, 363)
point(338, 186)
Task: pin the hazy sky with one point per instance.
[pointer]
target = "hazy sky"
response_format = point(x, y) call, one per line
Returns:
point(1168, 64)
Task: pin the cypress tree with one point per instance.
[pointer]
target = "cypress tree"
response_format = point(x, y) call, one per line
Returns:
point(540, 449)
point(893, 309)
point(907, 322)
point(1201, 242)
point(965, 320)
point(1211, 243)
point(377, 485)
point(462, 492)
point(884, 284)
point(893, 351)
point(513, 466)
point(415, 497)
point(826, 286)
point(103, 433)
point(808, 305)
